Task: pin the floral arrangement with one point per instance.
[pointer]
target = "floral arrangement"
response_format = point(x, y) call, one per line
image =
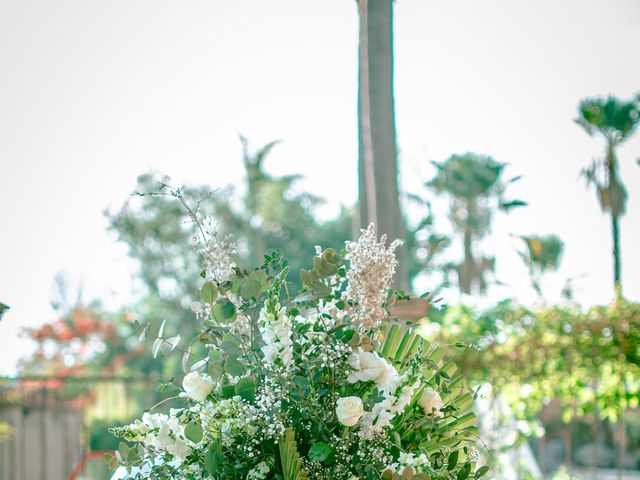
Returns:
point(323, 384)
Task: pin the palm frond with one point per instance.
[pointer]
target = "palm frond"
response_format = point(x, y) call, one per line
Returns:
point(290, 458)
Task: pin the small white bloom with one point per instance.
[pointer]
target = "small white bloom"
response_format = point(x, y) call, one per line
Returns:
point(349, 410)
point(197, 387)
point(431, 402)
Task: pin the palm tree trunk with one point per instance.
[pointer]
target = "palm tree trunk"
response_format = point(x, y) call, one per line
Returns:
point(466, 271)
point(615, 233)
point(379, 200)
point(612, 168)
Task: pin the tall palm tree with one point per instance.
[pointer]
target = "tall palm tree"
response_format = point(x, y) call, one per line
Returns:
point(475, 188)
point(615, 120)
point(379, 200)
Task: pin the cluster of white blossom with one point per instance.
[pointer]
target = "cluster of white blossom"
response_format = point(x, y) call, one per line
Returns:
point(275, 329)
point(372, 266)
point(217, 256)
point(417, 463)
point(163, 433)
point(268, 410)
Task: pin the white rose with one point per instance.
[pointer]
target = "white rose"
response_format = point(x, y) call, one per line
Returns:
point(370, 366)
point(196, 386)
point(349, 410)
point(431, 402)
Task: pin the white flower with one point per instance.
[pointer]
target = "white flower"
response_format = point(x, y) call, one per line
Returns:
point(180, 450)
point(370, 366)
point(431, 402)
point(276, 334)
point(349, 410)
point(197, 387)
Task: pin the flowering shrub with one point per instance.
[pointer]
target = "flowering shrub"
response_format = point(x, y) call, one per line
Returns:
point(324, 384)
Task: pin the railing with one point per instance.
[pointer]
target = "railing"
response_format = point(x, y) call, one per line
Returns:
point(58, 421)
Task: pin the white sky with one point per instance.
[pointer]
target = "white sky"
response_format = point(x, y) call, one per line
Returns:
point(93, 93)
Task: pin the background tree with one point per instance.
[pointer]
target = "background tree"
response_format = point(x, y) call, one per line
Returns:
point(475, 189)
point(3, 309)
point(542, 255)
point(379, 199)
point(615, 120)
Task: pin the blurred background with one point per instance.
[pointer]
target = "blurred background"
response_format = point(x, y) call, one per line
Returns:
point(498, 139)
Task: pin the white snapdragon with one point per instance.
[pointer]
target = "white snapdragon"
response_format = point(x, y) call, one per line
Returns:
point(276, 334)
point(163, 432)
point(370, 366)
point(431, 402)
point(349, 410)
point(196, 386)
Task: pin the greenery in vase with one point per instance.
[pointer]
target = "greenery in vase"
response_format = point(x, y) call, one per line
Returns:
point(317, 384)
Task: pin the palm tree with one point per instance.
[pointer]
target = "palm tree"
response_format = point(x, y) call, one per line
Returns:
point(542, 254)
point(378, 170)
point(475, 188)
point(615, 120)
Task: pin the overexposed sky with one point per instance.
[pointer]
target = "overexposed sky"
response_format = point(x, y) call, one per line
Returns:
point(93, 93)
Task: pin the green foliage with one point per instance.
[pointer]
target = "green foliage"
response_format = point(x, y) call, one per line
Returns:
point(467, 176)
point(542, 254)
point(613, 118)
point(586, 360)
point(3, 309)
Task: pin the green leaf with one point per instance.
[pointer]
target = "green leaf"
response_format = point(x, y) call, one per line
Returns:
point(123, 450)
point(481, 471)
point(213, 459)
point(209, 292)
point(215, 357)
point(453, 460)
point(302, 382)
point(233, 366)
point(464, 472)
point(193, 432)
point(246, 388)
point(231, 346)
point(320, 451)
point(224, 311)
point(111, 461)
point(250, 288)
point(228, 391)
